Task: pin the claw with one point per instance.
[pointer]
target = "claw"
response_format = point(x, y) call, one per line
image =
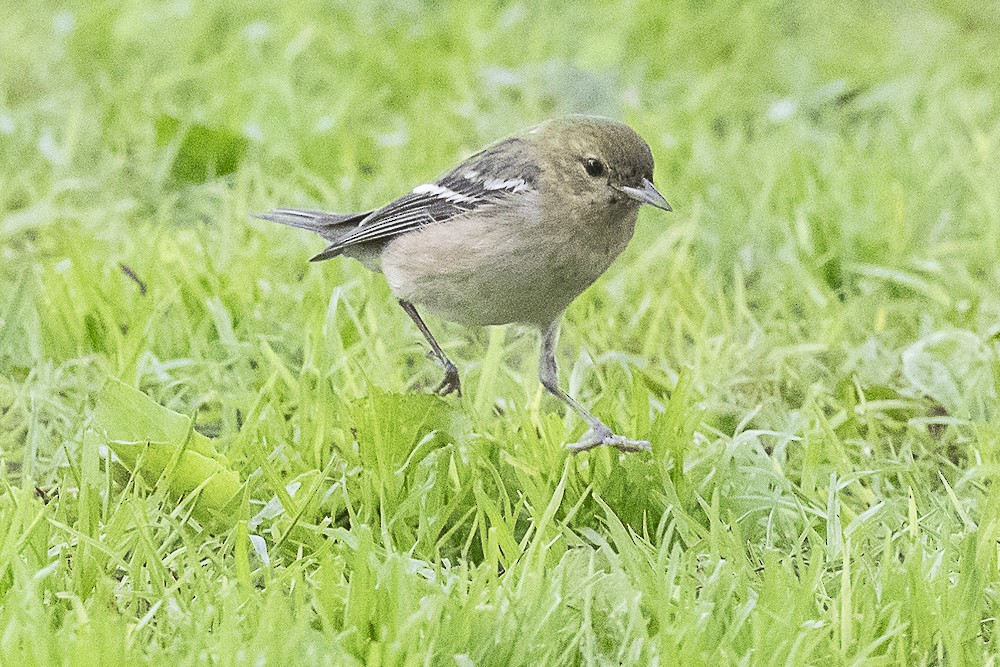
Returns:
point(601, 435)
point(451, 382)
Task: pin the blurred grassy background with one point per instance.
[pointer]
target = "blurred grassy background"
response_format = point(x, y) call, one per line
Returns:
point(810, 340)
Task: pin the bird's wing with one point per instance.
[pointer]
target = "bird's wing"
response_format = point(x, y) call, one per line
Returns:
point(504, 170)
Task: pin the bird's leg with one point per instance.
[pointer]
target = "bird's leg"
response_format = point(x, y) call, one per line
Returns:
point(450, 382)
point(599, 434)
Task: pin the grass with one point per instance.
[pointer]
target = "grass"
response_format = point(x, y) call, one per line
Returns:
point(810, 340)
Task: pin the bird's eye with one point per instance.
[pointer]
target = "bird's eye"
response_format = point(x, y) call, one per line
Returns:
point(594, 167)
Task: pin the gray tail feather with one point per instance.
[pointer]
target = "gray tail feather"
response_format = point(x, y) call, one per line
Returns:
point(331, 251)
point(331, 226)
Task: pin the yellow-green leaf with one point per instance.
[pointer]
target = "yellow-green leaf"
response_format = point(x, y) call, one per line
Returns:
point(167, 449)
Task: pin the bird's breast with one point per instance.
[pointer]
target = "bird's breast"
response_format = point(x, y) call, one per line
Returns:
point(484, 269)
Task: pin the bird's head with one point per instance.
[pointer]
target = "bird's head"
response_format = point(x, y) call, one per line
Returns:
point(600, 159)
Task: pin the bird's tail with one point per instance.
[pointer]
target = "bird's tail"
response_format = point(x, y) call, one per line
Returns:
point(331, 226)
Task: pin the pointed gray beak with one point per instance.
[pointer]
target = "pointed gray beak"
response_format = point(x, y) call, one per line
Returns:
point(647, 194)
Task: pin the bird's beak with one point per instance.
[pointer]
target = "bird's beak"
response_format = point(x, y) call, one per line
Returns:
point(647, 194)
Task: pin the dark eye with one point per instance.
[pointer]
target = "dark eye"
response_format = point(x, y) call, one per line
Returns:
point(594, 166)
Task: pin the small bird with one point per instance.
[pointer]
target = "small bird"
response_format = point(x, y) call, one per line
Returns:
point(512, 234)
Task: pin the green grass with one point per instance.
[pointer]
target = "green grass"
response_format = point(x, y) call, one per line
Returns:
point(810, 340)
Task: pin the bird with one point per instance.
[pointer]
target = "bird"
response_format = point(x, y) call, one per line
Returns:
point(513, 234)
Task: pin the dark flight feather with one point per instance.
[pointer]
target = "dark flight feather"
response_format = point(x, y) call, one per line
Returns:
point(499, 172)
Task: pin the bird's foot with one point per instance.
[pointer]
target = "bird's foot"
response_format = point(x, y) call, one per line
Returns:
point(601, 435)
point(451, 382)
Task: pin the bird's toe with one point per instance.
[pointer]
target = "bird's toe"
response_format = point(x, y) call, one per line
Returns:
point(601, 435)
